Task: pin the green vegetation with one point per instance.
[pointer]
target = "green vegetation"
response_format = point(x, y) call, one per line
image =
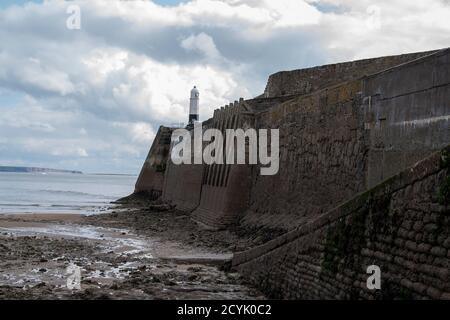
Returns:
point(344, 243)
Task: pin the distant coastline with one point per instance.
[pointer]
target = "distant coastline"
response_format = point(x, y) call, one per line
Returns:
point(115, 174)
point(35, 169)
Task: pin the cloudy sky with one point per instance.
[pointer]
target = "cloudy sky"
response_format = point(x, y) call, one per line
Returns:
point(92, 98)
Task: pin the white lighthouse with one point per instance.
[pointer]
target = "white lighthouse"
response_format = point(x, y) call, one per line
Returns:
point(193, 106)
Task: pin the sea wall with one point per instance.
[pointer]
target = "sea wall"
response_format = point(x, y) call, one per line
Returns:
point(335, 140)
point(344, 129)
point(225, 187)
point(305, 81)
point(151, 177)
point(322, 158)
point(344, 139)
point(183, 185)
point(407, 114)
point(402, 225)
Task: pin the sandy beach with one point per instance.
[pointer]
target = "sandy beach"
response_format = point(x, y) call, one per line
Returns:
point(136, 251)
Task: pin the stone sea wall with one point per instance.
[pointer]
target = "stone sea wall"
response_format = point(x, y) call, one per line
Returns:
point(334, 142)
point(344, 139)
point(305, 81)
point(225, 187)
point(374, 131)
point(406, 114)
point(402, 225)
point(322, 159)
point(151, 177)
point(183, 184)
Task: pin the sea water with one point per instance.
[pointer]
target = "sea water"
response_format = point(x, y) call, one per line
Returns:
point(61, 192)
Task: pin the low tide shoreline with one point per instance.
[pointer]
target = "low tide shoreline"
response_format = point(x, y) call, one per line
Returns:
point(133, 252)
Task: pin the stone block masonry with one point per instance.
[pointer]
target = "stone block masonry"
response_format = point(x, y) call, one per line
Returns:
point(322, 158)
point(402, 225)
point(346, 138)
point(305, 81)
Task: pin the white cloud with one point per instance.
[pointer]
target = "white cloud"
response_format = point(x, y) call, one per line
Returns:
point(95, 97)
point(138, 132)
point(202, 43)
point(30, 72)
point(370, 28)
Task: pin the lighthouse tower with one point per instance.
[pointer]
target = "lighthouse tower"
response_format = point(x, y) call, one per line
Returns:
point(193, 106)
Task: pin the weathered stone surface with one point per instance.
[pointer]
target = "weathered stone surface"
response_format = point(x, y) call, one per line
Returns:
point(151, 177)
point(438, 251)
point(408, 270)
point(337, 142)
point(305, 81)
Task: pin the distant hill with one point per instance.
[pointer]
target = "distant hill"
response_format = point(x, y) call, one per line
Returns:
point(34, 169)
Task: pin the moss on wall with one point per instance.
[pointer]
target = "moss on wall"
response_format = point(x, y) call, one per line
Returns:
point(344, 242)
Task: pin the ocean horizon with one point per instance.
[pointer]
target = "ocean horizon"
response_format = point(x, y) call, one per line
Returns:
point(61, 192)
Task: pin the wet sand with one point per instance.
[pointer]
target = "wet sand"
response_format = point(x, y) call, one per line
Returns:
point(136, 252)
point(19, 220)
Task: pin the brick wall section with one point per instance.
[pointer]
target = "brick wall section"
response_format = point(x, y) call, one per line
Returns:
point(308, 80)
point(402, 225)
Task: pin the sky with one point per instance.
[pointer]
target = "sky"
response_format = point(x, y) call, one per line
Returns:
point(92, 98)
